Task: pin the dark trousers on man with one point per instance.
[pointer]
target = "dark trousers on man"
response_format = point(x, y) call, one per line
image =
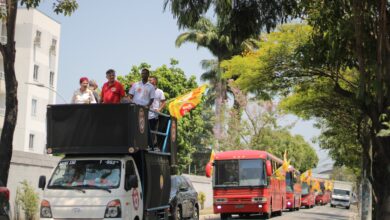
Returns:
point(153, 125)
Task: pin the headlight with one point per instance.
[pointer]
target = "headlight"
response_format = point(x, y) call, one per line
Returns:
point(220, 200)
point(45, 209)
point(259, 199)
point(113, 209)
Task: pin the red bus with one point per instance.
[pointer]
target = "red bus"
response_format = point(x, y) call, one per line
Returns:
point(308, 196)
point(245, 182)
point(324, 195)
point(293, 189)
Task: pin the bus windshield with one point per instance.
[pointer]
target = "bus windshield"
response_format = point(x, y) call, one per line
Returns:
point(86, 174)
point(305, 189)
point(289, 182)
point(240, 173)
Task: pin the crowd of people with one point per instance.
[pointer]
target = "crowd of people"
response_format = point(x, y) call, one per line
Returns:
point(145, 93)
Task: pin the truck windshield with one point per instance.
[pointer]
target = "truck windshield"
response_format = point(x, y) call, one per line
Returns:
point(240, 173)
point(86, 174)
point(341, 192)
point(305, 189)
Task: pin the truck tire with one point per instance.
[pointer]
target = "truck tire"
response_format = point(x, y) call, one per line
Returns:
point(177, 213)
point(195, 214)
point(224, 216)
point(347, 207)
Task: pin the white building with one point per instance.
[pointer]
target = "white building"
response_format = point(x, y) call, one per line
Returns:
point(37, 43)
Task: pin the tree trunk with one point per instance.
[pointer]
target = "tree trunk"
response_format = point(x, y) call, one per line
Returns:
point(11, 85)
point(381, 177)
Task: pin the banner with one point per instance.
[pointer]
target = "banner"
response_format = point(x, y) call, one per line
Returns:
point(185, 103)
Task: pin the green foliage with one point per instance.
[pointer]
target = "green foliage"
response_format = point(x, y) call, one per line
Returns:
point(201, 199)
point(344, 174)
point(194, 129)
point(302, 155)
point(27, 199)
point(240, 20)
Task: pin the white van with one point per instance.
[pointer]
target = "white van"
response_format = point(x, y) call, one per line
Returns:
point(342, 194)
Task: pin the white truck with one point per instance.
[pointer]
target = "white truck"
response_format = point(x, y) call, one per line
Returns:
point(108, 171)
point(342, 194)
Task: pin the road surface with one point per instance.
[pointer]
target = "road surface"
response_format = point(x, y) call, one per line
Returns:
point(316, 213)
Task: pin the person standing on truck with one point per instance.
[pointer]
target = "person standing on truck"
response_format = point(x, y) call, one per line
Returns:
point(157, 105)
point(112, 91)
point(95, 90)
point(142, 93)
point(83, 95)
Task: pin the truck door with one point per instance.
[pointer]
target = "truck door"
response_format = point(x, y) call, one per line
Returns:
point(134, 204)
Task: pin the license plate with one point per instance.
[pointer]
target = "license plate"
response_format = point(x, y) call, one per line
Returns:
point(239, 206)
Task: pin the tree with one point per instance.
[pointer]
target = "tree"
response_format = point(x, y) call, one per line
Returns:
point(259, 130)
point(8, 13)
point(340, 69)
point(237, 24)
point(194, 129)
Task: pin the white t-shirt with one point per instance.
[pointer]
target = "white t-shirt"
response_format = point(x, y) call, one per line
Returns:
point(158, 97)
point(142, 93)
point(83, 97)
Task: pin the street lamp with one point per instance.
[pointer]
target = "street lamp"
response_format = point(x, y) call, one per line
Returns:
point(47, 87)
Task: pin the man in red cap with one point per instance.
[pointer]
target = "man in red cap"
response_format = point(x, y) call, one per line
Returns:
point(112, 90)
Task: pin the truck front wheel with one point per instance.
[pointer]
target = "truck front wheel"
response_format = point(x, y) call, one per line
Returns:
point(347, 207)
point(195, 215)
point(224, 216)
point(177, 214)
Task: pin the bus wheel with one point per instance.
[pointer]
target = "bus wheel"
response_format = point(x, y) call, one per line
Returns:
point(224, 216)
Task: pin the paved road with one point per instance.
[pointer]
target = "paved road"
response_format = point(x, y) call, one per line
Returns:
point(316, 213)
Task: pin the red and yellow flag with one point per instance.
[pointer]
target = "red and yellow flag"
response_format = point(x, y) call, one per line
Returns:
point(185, 103)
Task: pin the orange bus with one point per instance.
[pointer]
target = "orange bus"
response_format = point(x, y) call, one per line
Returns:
point(293, 189)
point(324, 195)
point(308, 196)
point(245, 182)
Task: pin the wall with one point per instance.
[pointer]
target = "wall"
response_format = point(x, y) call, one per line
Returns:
point(29, 166)
point(203, 184)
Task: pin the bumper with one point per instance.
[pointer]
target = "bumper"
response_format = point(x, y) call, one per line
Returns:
point(340, 203)
point(240, 208)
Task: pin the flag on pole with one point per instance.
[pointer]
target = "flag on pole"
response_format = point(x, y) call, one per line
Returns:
point(286, 163)
point(185, 103)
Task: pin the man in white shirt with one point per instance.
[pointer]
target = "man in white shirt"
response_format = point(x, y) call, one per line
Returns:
point(157, 105)
point(142, 93)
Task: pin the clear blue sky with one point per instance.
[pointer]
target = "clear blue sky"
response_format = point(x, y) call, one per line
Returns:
point(117, 34)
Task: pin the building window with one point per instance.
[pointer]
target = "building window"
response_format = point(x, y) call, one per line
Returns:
point(53, 46)
point(51, 79)
point(36, 70)
point(31, 142)
point(34, 107)
point(37, 40)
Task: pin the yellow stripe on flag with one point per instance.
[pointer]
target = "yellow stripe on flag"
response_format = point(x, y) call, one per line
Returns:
point(185, 103)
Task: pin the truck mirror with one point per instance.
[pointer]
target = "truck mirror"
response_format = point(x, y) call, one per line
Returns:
point(209, 169)
point(132, 182)
point(42, 182)
point(268, 168)
point(183, 188)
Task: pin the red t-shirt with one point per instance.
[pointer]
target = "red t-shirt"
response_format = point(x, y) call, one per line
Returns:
point(112, 93)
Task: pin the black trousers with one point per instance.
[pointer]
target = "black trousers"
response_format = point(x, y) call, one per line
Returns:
point(153, 125)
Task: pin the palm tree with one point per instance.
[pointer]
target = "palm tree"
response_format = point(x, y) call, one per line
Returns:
point(207, 35)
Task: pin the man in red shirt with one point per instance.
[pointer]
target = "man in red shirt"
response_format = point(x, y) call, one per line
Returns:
point(112, 90)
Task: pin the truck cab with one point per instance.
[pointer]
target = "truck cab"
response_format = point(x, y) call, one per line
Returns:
point(95, 180)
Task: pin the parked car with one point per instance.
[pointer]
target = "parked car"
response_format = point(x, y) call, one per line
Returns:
point(4, 202)
point(183, 199)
